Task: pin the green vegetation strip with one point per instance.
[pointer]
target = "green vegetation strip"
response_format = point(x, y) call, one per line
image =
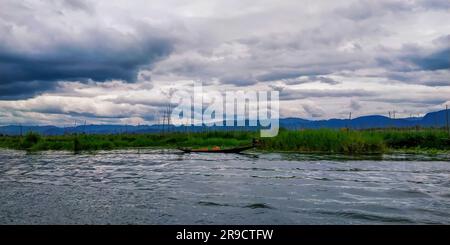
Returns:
point(314, 140)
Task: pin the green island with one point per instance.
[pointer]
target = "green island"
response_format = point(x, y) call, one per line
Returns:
point(308, 141)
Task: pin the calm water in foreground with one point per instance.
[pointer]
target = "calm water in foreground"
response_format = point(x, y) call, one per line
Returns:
point(159, 187)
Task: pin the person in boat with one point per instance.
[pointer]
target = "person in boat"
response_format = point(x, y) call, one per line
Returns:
point(255, 143)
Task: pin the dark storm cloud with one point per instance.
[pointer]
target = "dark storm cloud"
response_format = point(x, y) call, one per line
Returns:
point(57, 110)
point(21, 90)
point(95, 60)
point(427, 65)
point(435, 61)
point(40, 47)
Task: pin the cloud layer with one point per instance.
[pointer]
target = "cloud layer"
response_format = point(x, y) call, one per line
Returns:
point(45, 42)
point(115, 61)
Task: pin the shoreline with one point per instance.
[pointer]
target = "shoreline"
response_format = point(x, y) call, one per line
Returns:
point(315, 141)
point(392, 156)
point(430, 152)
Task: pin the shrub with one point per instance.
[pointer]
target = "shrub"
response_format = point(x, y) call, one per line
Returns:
point(29, 140)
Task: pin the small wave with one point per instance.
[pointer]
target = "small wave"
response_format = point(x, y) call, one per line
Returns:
point(445, 195)
point(322, 178)
point(274, 177)
point(411, 193)
point(258, 205)
point(350, 170)
point(368, 216)
point(212, 204)
point(255, 169)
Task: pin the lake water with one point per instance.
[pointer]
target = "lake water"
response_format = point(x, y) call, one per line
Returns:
point(165, 187)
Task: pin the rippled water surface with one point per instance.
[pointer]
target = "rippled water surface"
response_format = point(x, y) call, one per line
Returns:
point(163, 187)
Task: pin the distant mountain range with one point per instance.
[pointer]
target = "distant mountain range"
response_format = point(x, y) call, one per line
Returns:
point(432, 119)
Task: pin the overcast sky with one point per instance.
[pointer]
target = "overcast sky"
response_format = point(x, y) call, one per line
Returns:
point(117, 61)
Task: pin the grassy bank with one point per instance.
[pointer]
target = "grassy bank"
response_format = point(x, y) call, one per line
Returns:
point(319, 140)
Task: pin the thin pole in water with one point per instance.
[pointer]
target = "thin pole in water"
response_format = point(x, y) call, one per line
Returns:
point(446, 113)
point(349, 120)
point(393, 116)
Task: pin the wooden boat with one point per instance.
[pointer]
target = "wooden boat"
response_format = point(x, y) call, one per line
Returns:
point(218, 150)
